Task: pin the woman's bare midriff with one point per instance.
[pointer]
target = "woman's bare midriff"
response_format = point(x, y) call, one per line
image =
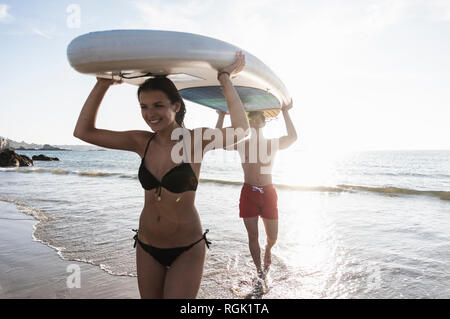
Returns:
point(169, 223)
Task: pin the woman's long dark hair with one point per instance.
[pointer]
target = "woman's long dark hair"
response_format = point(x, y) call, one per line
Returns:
point(161, 83)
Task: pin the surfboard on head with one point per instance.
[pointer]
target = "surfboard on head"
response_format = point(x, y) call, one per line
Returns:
point(191, 61)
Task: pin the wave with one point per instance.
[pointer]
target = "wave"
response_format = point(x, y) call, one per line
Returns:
point(42, 216)
point(392, 191)
point(25, 208)
point(133, 176)
point(66, 172)
point(444, 176)
point(219, 181)
point(386, 190)
point(281, 186)
point(383, 190)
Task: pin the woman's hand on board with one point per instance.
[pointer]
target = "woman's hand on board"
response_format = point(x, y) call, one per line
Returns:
point(108, 82)
point(234, 68)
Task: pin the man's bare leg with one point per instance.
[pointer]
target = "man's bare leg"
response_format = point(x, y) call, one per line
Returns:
point(253, 243)
point(271, 226)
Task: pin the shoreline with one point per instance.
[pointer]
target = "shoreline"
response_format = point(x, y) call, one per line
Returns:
point(31, 269)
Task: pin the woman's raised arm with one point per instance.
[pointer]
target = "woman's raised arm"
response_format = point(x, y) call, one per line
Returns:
point(239, 121)
point(235, 107)
point(85, 128)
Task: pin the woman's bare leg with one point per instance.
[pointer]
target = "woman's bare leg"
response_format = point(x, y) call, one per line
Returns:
point(150, 275)
point(185, 274)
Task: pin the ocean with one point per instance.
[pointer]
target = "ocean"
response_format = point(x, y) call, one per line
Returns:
point(353, 225)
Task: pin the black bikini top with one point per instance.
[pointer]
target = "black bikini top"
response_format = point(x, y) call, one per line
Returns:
point(179, 179)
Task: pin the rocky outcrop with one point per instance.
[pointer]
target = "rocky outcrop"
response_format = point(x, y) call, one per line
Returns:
point(48, 147)
point(10, 158)
point(42, 157)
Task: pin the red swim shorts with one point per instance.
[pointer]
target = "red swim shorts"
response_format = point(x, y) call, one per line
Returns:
point(258, 201)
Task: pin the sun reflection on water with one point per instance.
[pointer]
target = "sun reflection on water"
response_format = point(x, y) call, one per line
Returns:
point(308, 244)
point(309, 168)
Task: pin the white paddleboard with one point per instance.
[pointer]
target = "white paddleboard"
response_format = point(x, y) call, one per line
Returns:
point(191, 61)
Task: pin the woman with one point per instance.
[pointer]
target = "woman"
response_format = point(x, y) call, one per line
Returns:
point(170, 253)
point(258, 195)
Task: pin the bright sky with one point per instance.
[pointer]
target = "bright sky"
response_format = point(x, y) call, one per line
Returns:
point(364, 74)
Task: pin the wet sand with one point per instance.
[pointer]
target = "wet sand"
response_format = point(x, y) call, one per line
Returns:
point(30, 269)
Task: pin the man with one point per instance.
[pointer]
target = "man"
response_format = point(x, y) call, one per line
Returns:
point(258, 195)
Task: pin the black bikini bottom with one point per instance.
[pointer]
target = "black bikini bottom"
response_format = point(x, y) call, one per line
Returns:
point(166, 256)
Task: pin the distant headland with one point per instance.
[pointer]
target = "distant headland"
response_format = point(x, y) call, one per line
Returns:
point(45, 147)
point(6, 144)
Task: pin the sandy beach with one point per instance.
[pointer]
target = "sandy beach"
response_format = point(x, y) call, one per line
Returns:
point(30, 269)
